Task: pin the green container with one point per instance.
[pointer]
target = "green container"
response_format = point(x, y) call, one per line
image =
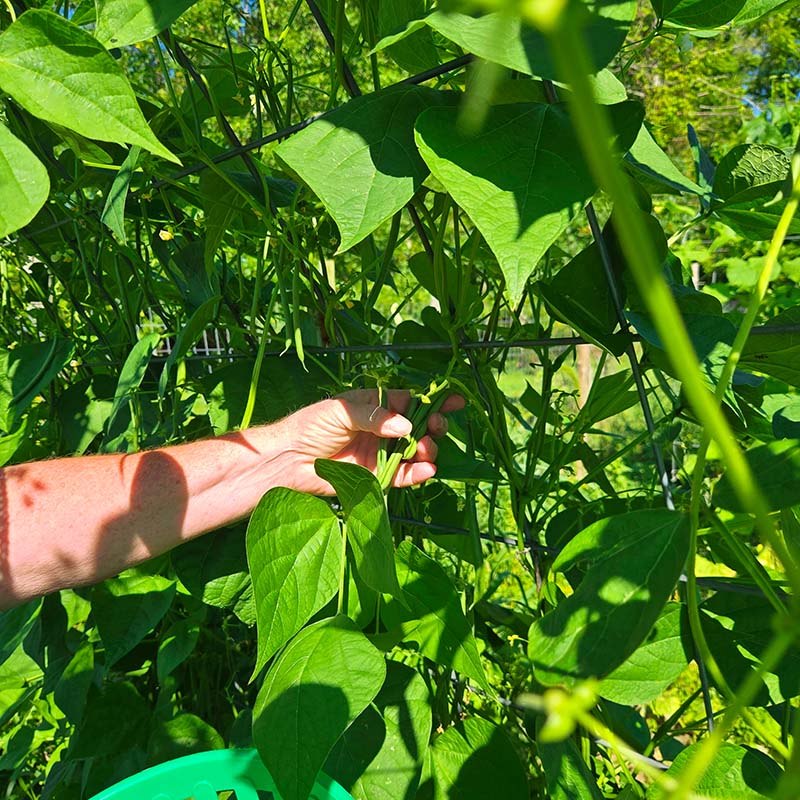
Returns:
point(201, 775)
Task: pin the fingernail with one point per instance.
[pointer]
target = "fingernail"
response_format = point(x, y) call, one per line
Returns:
point(399, 426)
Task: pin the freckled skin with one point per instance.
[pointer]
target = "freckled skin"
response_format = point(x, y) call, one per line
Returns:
point(75, 521)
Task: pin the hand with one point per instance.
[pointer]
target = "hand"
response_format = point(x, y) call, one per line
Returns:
point(348, 428)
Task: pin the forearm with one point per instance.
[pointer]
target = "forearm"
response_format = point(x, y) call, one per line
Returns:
point(69, 522)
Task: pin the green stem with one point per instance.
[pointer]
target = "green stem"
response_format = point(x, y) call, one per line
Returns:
point(752, 684)
point(340, 601)
point(11, 11)
point(338, 43)
point(595, 134)
point(251, 395)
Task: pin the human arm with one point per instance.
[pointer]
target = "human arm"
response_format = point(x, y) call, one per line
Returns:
point(74, 521)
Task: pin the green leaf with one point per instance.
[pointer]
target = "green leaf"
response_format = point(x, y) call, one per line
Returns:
point(739, 772)
point(522, 198)
point(176, 645)
point(312, 693)
point(415, 53)
point(655, 664)
point(579, 295)
point(368, 530)
point(750, 171)
point(20, 682)
point(283, 387)
point(122, 22)
point(738, 630)
point(114, 210)
point(696, 13)
point(503, 39)
point(127, 608)
point(25, 182)
point(181, 736)
point(776, 467)
point(700, 14)
point(650, 161)
point(753, 10)
point(225, 76)
point(132, 373)
point(360, 160)
point(26, 371)
point(15, 624)
point(381, 754)
point(454, 464)
point(633, 563)
point(115, 718)
point(755, 222)
point(568, 777)
point(85, 149)
point(214, 568)
point(472, 761)
point(294, 549)
point(711, 335)
point(73, 685)
point(83, 410)
point(776, 354)
point(610, 396)
point(10, 443)
point(61, 74)
point(435, 620)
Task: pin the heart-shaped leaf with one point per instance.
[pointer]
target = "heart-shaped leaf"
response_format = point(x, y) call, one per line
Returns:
point(294, 548)
point(311, 695)
point(360, 160)
point(633, 562)
point(62, 74)
point(25, 183)
point(368, 529)
point(520, 180)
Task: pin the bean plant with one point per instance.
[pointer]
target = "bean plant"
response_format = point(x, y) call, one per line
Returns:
point(213, 214)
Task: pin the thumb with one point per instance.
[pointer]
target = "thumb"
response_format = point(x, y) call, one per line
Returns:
point(380, 421)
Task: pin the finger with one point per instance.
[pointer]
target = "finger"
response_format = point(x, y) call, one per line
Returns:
point(376, 420)
point(427, 450)
point(437, 425)
point(454, 402)
point(411, 474)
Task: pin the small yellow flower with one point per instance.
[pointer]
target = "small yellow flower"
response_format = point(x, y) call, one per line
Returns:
point(165, 235)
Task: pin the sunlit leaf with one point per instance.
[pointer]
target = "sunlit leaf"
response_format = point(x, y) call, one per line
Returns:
point(380, 756)
point(434, 619)
point(568, 776)
point(368, 530)
point(776, 467)
point(360, 160)
point(60, 73)
point(504, 39)
point(472, 761)
point(524, 195)
point(121, 22)
point(311, 695)
point(294, 549)
point(655, 664)
point(24, 181)
point(632, 564)
point(740, 772)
